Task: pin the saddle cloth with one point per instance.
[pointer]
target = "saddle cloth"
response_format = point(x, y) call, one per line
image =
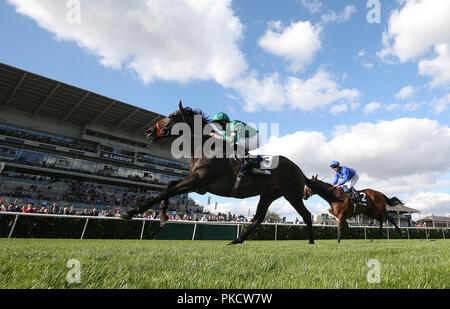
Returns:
point(359, 198)
point(262, 165)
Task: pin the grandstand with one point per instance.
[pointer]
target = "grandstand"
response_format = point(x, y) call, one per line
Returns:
point(82, 150)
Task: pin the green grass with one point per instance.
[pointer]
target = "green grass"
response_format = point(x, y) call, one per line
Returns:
point(155, 264)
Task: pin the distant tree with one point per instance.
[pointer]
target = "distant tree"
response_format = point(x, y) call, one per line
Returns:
point(272, 217)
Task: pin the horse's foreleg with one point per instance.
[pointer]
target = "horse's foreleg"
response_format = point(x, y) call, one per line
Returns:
point(390, 219)
point(163, 218)
point(347, 228)
point(188, 184)
point(339, 231)
point(381, 226)
point(261, 210)
point(297, 203)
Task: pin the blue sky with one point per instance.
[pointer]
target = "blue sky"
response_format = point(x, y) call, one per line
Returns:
point(374, 96)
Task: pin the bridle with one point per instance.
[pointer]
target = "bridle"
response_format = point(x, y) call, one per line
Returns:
point(162, 132)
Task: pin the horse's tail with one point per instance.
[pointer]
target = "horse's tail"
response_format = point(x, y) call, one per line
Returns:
point(392, 201)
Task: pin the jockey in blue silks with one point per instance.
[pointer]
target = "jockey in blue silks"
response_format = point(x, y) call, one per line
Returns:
point(346, 176)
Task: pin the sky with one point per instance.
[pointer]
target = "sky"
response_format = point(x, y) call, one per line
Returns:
point(364, 82)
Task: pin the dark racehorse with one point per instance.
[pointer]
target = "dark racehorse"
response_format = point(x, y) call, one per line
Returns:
point(218, 176)
point(342, 207)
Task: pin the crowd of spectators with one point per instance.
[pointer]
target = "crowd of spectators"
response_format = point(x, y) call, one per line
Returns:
point(44, 188)
point(55, 210)
point(152, 214)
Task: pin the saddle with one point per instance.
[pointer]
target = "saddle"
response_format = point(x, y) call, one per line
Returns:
point(261, 165)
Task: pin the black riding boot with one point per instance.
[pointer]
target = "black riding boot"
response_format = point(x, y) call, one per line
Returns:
point(353, 194)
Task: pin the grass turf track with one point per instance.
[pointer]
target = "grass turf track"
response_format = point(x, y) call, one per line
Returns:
point(156, 264)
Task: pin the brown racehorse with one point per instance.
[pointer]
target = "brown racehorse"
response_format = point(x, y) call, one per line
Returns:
point(218, 176)
point(342, 207)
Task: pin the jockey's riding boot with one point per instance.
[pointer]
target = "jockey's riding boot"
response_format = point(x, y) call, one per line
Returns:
point(245, 166)
point(355, 194)
point(246, 163)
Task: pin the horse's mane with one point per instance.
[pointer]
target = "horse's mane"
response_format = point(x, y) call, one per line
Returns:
point(187, 111)
point(323, 189)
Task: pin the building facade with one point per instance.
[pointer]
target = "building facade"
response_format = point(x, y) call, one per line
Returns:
point(65, 144)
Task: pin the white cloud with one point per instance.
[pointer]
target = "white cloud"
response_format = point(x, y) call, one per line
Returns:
point(319, 91)
point(365, 59)
point(267, 93)
point(338, 108)
point(392, 107)
point(395, 157)
point(441, 104)
point(430, 203)
point(343, 17)
point(415, 27)
point(412, 106)
point(160, 39)
point(405, 93)
point(371, 107)
point(400, 158)
point(437, 68)
point(414, 30)
point(313, 6)
point(296, 44)
point(274, 93)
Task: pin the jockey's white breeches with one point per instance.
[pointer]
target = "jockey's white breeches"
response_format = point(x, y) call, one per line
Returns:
point(352, 181)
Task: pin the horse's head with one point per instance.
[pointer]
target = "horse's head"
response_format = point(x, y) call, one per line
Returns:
point(308, 191)
point(162, 129)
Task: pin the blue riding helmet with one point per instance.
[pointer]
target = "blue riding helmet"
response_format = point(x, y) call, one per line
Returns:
point(334, 164)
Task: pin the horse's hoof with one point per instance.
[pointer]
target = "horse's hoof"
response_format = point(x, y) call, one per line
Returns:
point(126, 216)
point(163, 221)
point(234, 242)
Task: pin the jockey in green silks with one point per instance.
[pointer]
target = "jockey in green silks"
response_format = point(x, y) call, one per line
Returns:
point(237, 133)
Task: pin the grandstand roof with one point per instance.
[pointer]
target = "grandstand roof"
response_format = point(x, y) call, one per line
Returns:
point(38, 95)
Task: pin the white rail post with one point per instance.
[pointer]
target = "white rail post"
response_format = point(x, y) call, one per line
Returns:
point(365, 236)
point(426, 234)
point(195, 228)
point(407, 231)
point(142, 231)
point(237, 232)
point(276, 231)
point(84, 229)
point(13, 226)
point(443, 234)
